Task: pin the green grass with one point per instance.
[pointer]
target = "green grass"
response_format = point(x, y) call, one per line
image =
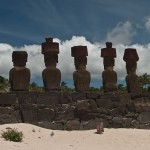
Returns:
point(12, 135)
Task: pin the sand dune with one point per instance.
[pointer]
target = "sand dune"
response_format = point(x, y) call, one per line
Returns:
point(36, 138)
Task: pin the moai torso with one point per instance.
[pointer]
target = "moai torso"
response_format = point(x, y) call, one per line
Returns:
point(109, 76)
point(19, 79)
point(51, 75)
point(51, 78)
point(81, 76)
point(133, 84)
point(81, 80)
point(132, 80)
point(19, 76)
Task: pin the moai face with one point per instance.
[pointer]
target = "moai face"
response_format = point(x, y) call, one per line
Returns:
point(19, 58)
point(108, 62)
point(131, 67)
point(50, 59)
point(80, 63)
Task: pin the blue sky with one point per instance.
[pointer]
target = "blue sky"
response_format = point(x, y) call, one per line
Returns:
point(25, 23)
point(29, 21)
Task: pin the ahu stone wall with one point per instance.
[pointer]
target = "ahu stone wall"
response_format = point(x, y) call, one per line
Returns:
point(77, 110)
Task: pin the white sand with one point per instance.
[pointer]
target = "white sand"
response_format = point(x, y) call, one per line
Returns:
point(111, 139)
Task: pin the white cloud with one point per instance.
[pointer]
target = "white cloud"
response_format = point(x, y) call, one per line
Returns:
point(121, 34)
point(147, 23)
point(66, 62)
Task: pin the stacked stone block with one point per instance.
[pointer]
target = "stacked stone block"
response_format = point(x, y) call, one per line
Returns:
point(85, 112)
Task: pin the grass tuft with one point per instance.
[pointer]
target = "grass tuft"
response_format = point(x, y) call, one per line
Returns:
point(12, 135)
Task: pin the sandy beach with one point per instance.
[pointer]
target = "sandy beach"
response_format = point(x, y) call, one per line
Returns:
point(36, 138)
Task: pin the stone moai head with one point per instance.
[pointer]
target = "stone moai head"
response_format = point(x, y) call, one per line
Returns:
point(80, 62)
point(50, 50)
point(19, 58)
point(131, 58)
point(50, 59)
point(79, 53)
point(108, 54)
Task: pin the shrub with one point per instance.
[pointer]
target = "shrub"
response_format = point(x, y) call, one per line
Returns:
point(67, 127)
point(12, 135)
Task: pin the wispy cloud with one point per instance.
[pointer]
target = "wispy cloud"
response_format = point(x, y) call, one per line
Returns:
point(122, 33)
point(147, 23)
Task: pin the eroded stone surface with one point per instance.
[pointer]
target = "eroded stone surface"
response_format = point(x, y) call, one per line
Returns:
point(132, 80)
point(109, 76)
point(51, 75)
point(19, 76)
point(81, 76)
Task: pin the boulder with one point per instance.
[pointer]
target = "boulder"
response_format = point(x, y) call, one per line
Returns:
point(8, 115)
point(92, 95)
point(117, 122)
point(104, 103)
point(29, 113)
point(66, 112)
point(51, 125)
point(7, 99)
point(144, 118)
point(88, 125)
point(46, 115)
point(91, 124)
point(25, 97)
point(72, 125)
point(84, 107)
point(78, 96)
point(65, 97)
point(127, 122)
point(49, 98)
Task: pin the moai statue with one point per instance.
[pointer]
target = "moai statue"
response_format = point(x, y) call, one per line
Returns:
point(51, 75)
point(19, 76)
point(109, 76)
point(81, 76)
point(132, 80)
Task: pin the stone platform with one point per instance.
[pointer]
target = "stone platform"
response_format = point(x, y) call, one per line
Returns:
point(77, 110)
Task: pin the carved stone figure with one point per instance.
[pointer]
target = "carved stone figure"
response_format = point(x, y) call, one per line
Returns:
point(19, 76)
point(81, 76)
point(109, 76)
point(132, 80)
point(51, 75)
